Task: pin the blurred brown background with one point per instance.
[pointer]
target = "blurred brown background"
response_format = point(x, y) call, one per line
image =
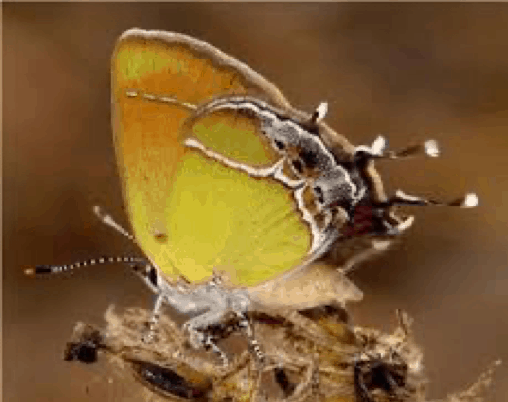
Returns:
point(409, 71)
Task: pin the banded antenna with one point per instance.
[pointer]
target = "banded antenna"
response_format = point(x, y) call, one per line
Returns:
point(105, 218)
point(363, 154)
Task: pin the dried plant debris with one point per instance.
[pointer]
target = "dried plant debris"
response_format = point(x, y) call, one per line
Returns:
point(309, 355)
point(476, 391)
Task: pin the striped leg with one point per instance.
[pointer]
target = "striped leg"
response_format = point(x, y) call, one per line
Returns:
point(154, 319)
point(209, 342)
point(202, 337)
point(244, 325)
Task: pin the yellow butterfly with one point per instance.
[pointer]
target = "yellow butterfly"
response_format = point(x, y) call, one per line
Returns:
point(221, 174)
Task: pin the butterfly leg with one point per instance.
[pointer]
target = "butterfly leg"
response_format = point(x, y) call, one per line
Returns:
point(200, 330)
point(184, 303)
point(198, 327)
point(154, 319)
point(154, 281)
point(244, 325)
point(209, 342)
point(206, 328)
point(207, 305)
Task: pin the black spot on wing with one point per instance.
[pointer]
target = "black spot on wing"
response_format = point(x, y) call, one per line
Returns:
point(161, 237)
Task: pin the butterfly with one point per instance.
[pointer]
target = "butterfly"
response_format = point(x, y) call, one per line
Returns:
point(234, 196)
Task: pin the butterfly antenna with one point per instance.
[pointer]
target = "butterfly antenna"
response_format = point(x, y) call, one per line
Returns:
point(254, 347)
point(56, 269)
point(470, 200)
point(430, 148)
point(378, 150)
point(109, 221)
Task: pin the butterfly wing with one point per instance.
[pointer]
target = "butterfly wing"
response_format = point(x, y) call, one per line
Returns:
point(190, 213)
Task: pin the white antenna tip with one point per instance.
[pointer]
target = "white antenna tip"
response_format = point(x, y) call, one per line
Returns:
point(431, 148)
point(470, 201)
point(379, 145)
point(322, 110)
